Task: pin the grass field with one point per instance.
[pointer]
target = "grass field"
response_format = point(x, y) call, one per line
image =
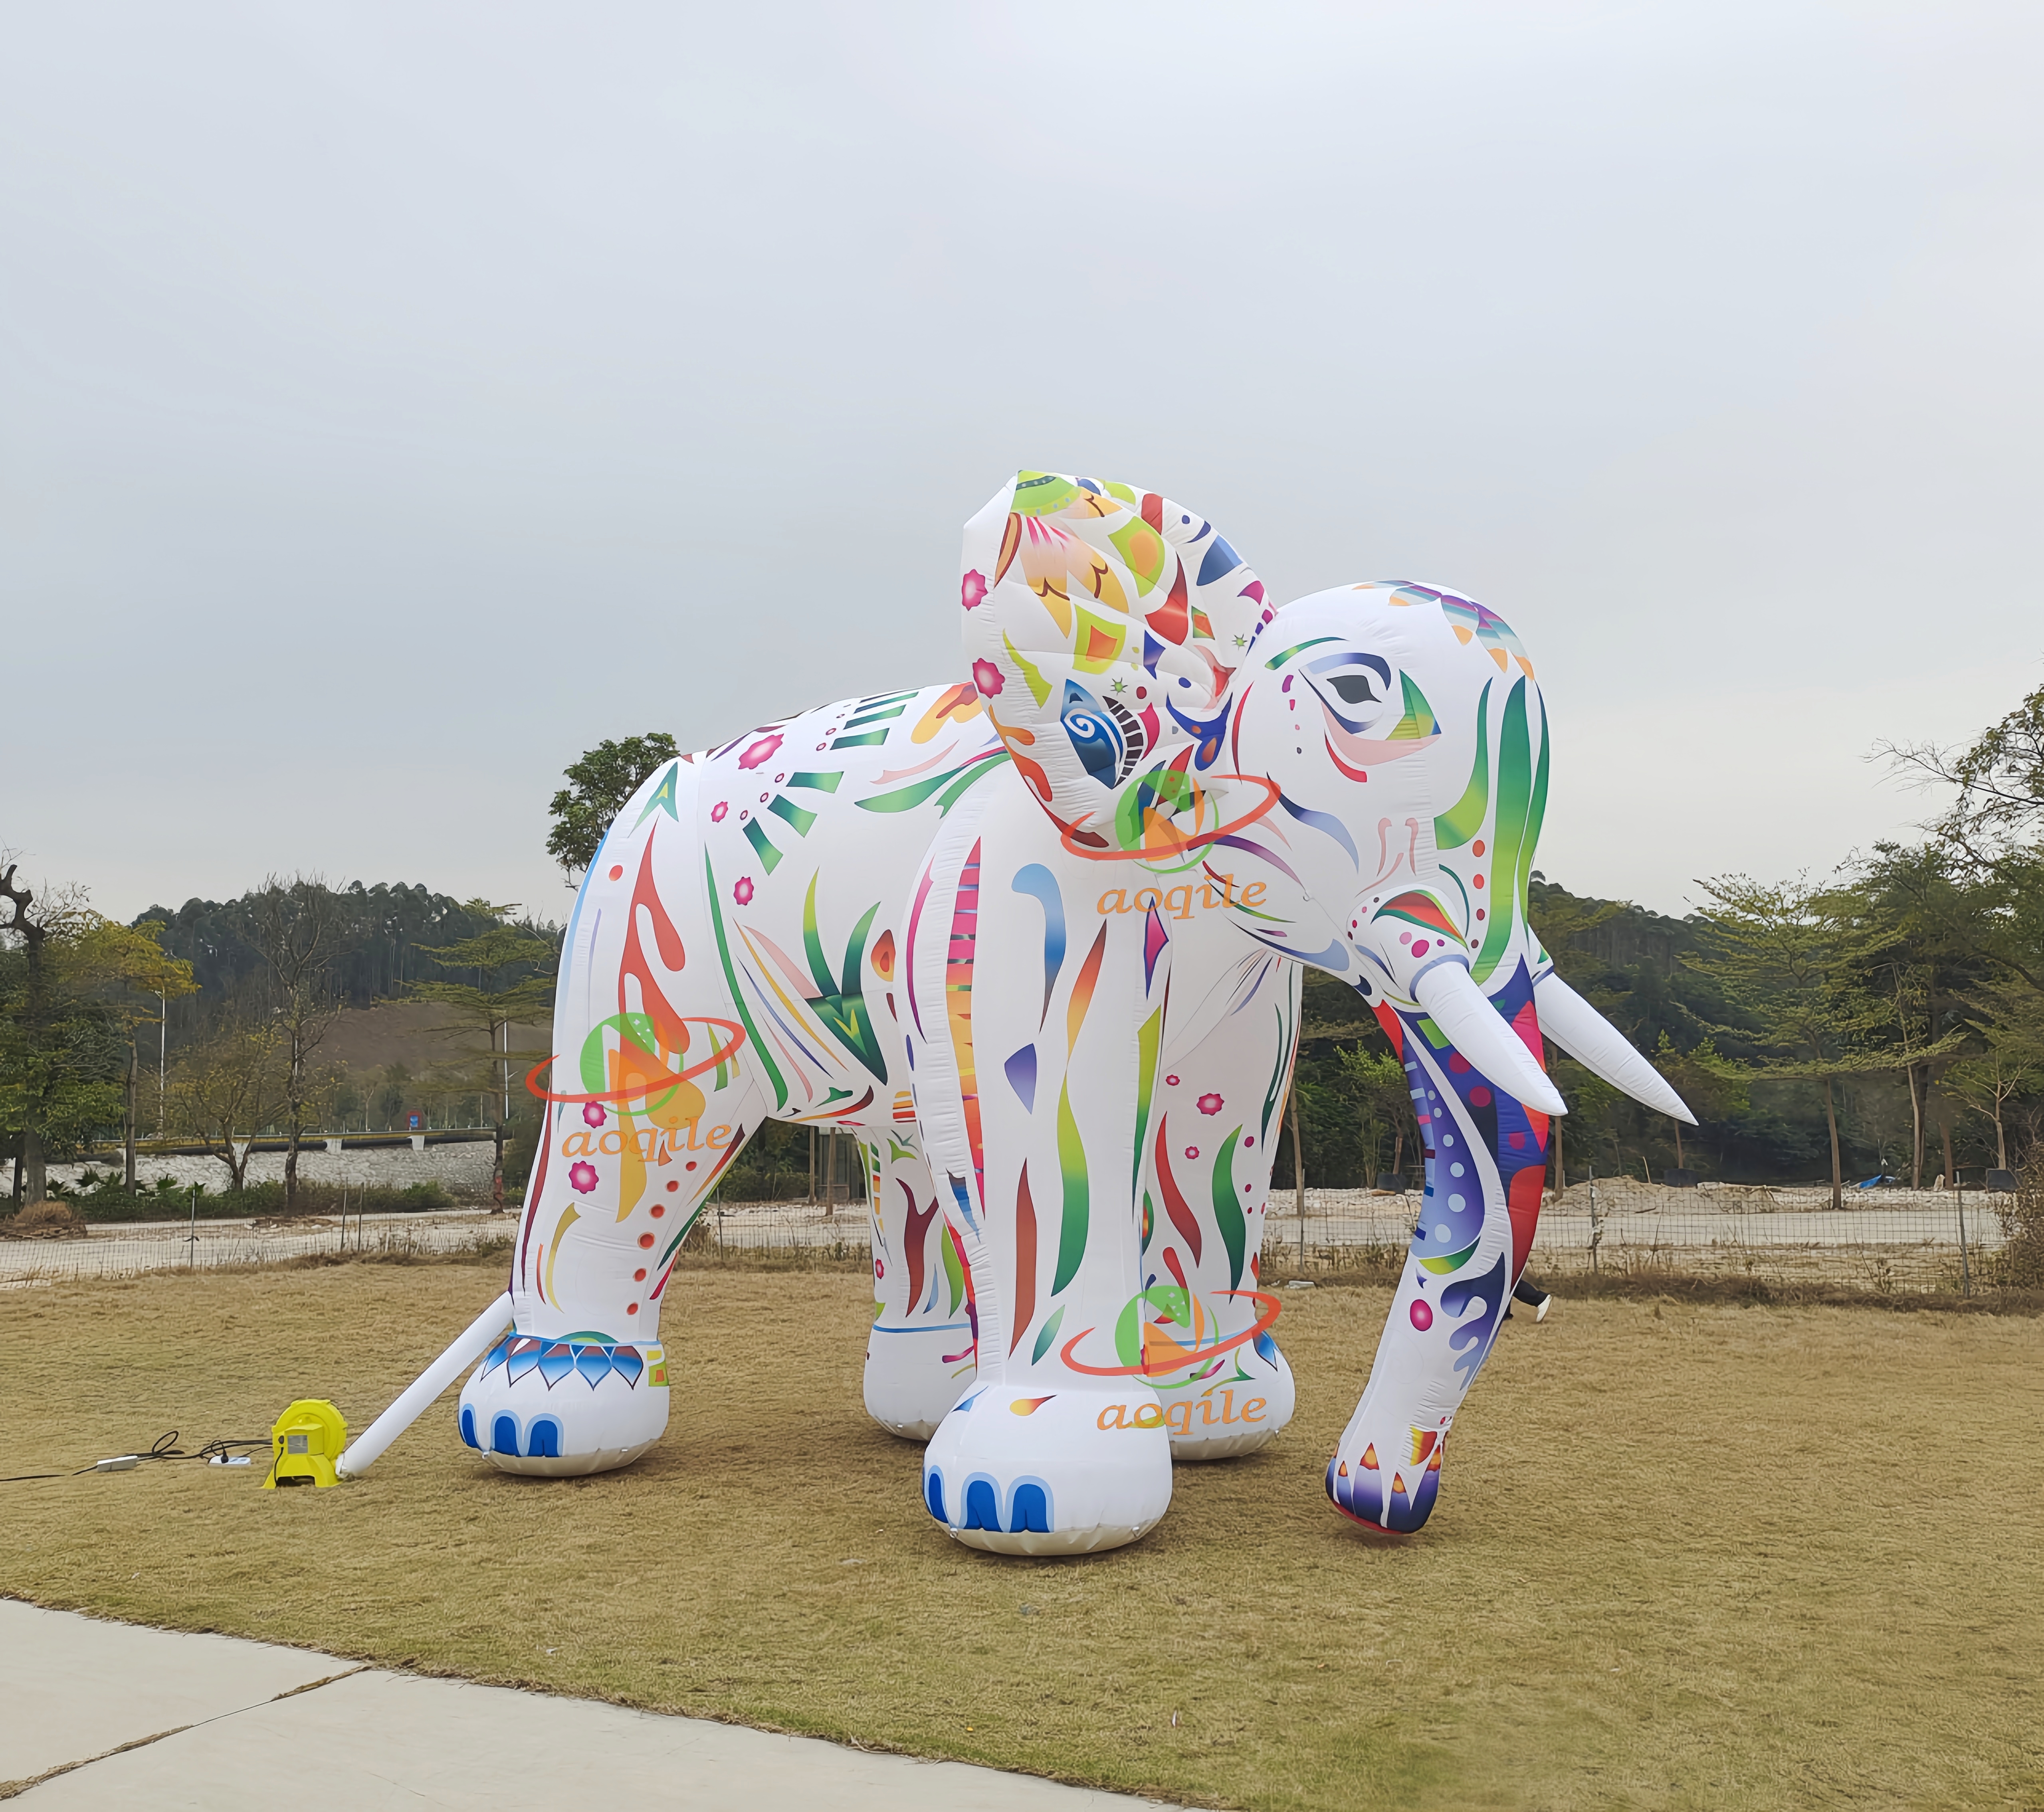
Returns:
point(1706, 1556)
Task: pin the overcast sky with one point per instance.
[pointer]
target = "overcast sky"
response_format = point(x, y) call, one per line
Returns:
point(396, 400)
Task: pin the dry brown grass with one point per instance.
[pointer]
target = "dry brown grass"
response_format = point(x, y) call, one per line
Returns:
point(1696, 1556)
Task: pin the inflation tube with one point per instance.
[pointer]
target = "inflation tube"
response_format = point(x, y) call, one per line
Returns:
point(1459, 1008)
point(1601, 1049)
point(471, 1346)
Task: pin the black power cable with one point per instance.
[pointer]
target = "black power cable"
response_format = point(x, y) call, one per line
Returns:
point(165, 1447)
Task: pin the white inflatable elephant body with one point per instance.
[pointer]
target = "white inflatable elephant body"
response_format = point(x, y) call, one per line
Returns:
point(761, 939)
point(1039, 939)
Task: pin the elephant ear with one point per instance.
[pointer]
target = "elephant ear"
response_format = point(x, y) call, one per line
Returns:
point(1103, 624)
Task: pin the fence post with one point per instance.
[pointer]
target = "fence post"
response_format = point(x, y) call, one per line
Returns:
point(191, 1242)
point(1596, 1233)
point(1298, 1172)
point(1965, 1268)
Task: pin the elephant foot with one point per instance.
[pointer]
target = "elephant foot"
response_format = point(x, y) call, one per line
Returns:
point(1222, 1420)
point(560, 1408)
point(913, 1377)
point(1023, 1470)
point(1389, 1483)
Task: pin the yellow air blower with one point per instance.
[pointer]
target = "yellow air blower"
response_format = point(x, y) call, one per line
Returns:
point(305, 1443)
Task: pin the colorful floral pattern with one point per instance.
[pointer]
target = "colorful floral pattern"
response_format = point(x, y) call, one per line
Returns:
point(1119, 618)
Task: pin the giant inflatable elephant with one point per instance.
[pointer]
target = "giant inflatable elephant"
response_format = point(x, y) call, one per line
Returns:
point(1038, 938)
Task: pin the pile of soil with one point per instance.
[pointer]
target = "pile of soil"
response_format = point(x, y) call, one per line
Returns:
point(45, 1220)
point(1630, 1195)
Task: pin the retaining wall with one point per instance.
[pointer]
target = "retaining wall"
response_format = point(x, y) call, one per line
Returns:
point(463, 1170)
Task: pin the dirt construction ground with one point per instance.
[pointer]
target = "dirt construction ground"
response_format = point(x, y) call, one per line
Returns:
point(1684, 1557)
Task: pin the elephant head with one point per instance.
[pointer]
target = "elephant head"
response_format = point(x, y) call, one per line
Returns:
point(1375, 755)
point(1104, 625)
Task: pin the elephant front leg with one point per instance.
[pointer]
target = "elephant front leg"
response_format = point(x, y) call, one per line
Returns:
point(920, 1354)
point(1038, 1028)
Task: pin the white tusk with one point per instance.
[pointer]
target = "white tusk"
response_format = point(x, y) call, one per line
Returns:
point(1463, 1010)
point(1601, 1048)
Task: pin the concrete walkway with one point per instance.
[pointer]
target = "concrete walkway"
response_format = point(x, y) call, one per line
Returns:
point(105, 1715)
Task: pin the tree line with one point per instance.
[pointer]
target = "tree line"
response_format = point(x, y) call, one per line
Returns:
point(1886, 1019)
point(383, 939)
point(241, 997)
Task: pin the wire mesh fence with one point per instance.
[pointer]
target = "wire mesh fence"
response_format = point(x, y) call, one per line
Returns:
point(818, 1232)
point(1885, 1241)
point(831, 1232)
point(130, 1250)
point(1888, 1242)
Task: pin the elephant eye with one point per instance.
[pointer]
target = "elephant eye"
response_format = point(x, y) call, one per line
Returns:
point(1354, 688)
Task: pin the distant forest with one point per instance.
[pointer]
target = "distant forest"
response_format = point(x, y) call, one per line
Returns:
point(391, 931)
point(1650, 974)
point(1915, 984)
